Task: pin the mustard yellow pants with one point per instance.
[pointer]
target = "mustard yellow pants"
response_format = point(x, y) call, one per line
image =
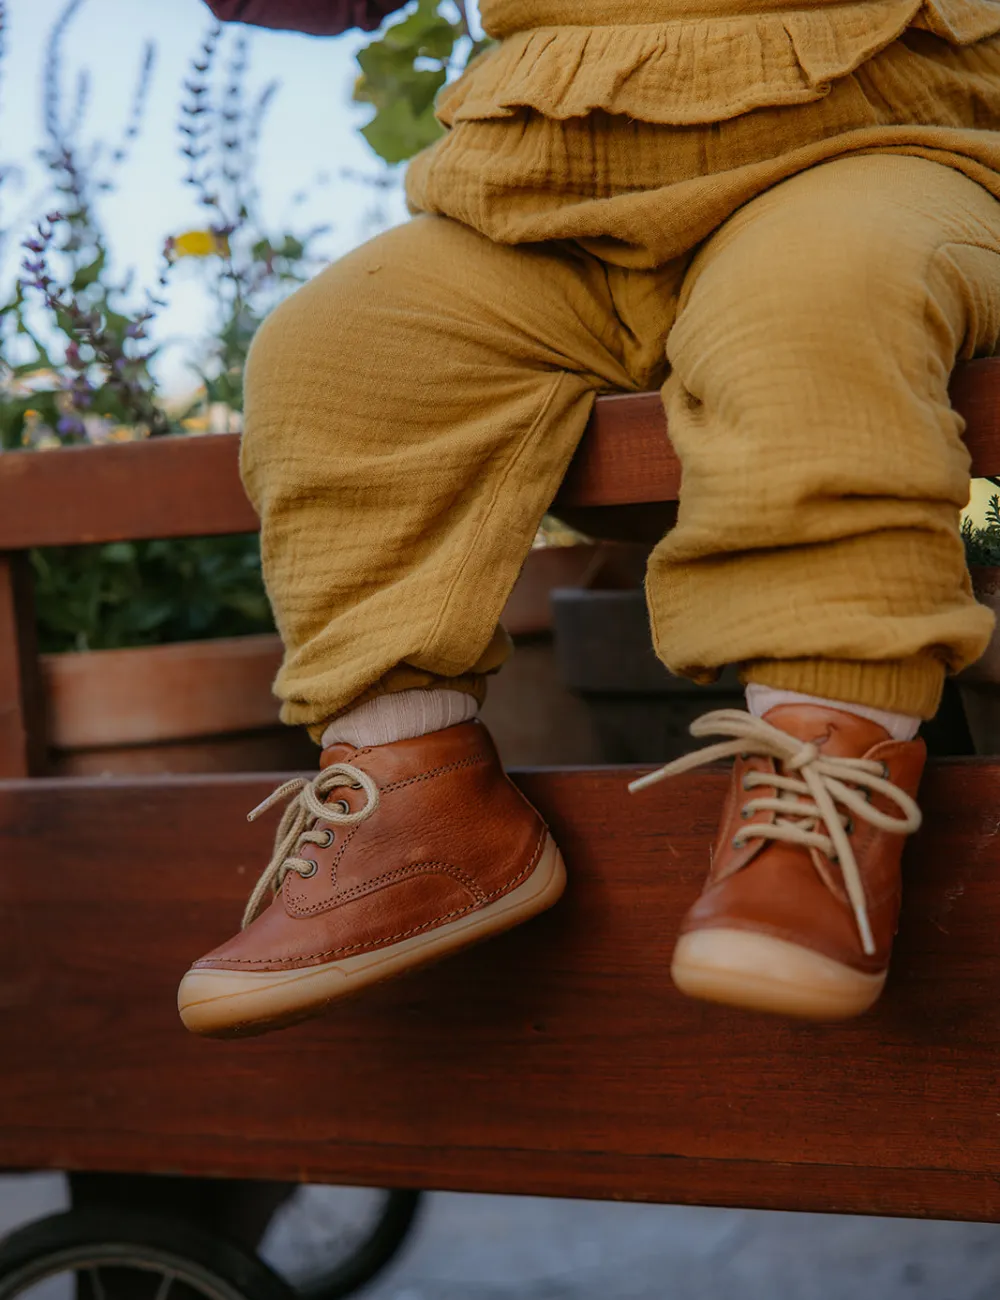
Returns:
point(412, 410)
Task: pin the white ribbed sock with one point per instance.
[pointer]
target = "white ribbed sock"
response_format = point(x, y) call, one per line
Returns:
point(400, 716)
point(762, 699)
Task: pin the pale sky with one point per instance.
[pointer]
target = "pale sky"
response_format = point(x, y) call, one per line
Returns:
point(312, 127)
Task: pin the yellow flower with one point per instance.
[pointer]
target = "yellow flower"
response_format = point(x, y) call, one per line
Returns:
point(197, 243)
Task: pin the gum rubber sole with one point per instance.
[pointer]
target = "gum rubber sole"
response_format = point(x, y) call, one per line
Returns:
point(229, 1004)
point(741, 968)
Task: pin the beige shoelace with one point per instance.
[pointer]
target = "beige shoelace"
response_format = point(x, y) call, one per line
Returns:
point(808, 792)
point(297, 825)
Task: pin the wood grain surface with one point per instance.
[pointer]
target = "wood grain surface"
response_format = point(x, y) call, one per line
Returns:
point(22, 728)
point(189, 487)
point(555, 1060)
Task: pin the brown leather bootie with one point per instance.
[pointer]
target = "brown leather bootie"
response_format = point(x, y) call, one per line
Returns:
point(391, 858)
point(802, 899)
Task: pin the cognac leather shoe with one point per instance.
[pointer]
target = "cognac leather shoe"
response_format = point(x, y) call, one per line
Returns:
point(393, 857)
point(802, 899)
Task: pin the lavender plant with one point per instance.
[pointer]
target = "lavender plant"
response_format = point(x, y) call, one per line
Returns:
point(81, 350)
point(249, 268)
point(76, 354)
point(80, 334)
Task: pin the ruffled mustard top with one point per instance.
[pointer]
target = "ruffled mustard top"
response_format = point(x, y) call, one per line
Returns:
point(637, 126)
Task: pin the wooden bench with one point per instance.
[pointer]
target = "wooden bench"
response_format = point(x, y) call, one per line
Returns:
point(557, 1060)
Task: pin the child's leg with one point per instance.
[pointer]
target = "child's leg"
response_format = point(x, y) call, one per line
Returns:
point(824, 471)
point(410, 415)
point(818, 546)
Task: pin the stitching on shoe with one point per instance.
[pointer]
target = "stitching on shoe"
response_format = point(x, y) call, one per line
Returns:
point(404, 934)
point(384, 789)
point(400, 873)
point(418, 868)
point(475, 761)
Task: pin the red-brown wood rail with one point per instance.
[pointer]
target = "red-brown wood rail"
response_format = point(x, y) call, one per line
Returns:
point(555, 1060)
point(189, 487)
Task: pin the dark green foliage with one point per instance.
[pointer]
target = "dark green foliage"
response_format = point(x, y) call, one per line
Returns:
point(149, 593)
point(982, 545)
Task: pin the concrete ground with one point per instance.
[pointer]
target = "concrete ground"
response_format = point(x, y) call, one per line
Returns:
point(507, 1248)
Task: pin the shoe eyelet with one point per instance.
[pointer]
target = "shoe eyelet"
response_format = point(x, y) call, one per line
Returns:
point(306, 875)
point(886, 774)
point(746, 814)
point(849, 828)
point(342, 806)
point(737, 843)
point(330, 837)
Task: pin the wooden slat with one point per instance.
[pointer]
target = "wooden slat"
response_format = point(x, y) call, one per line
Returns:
point(555, 1060)
point(625, 457)
point(601, 475)
point(22, 727)
point(188, 487)
point(167, 487)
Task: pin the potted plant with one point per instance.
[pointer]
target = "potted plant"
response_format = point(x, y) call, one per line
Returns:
point(159, 655)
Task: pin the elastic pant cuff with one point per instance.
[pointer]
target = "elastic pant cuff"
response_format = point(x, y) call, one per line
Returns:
point(910, 686)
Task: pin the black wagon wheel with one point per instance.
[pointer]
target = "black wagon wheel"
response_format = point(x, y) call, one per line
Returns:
point(325, 1242)
point(105, 1253)
point(386, 1232)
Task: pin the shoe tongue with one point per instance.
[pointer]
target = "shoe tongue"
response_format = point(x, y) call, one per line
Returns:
point(836, 732)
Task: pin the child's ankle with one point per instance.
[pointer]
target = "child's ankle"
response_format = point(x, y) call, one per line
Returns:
point(400, 715)
point(762, 699)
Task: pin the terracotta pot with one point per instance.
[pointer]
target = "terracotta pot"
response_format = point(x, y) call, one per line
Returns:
point(195, 706)
point(207, 706)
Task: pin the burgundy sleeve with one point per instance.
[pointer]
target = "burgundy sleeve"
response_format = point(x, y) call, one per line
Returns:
point(315, 17)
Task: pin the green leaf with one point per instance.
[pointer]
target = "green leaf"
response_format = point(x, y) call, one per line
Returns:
point(396, 81)
point(396, 133)
point(291, 249)
point(149, 593)
point(424, 32)
point(89, 274)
